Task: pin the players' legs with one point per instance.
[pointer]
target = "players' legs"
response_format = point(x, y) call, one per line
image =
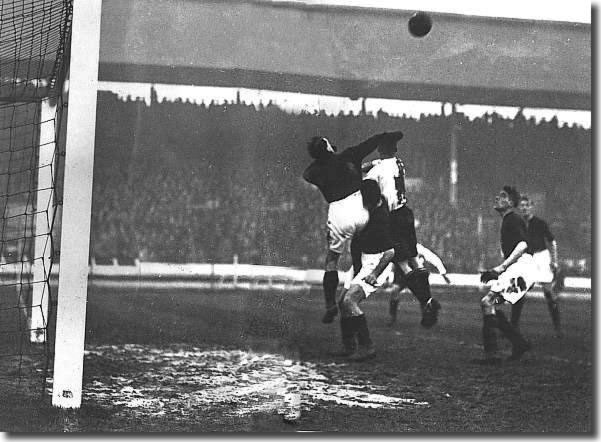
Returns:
point(355, 256)
point(394, 291)
point(489, 325)
point(496, 319)
point(355, 324)
point(552, 297)
point(416, 277)
point(330, 285)
point(345, 218)
point(418, 281)
point(347, 330)
point(516, 312)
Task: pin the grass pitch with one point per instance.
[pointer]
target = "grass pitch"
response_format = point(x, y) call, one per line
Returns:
point(258, 361)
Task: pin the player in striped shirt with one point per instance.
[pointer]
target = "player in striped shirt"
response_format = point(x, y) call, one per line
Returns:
point(338, 177)
point(389, 173)
point(543, 248)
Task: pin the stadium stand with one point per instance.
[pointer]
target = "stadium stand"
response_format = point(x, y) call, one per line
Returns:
point(187, 182)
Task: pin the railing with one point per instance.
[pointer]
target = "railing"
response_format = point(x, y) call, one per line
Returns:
point(173, 275)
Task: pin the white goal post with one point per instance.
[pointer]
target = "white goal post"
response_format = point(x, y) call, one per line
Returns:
point(77, 204)
point(42, 223)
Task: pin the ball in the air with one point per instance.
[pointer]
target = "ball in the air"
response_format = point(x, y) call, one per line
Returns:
point(420, 24)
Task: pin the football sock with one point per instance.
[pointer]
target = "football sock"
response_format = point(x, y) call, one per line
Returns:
point(419, 284)
point(393, 307)
point(330, 285)
point(489, 335)
point(362, 331)
point(553, 310)
point(516, 311)
point(509, 331)
point(347, 330)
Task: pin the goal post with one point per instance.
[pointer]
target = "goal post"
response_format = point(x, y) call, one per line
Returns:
point(77, 204)
point(42, 223)
point(34, 48)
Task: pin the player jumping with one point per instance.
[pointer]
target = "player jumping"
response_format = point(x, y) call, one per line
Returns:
point(338, 177)
point(543, 248)
point(389, 173)
point(509, 281)
point(377, 251)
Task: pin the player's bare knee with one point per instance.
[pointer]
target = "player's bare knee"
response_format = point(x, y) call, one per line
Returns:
point(346, 304)
point(404, 266)
point(349, 305)
point(487, 303)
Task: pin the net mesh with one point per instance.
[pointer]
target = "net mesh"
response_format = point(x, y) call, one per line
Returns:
point(33, 53)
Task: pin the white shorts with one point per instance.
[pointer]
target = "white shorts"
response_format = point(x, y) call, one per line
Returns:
point(345, 218)
point(542, 260)
point(507, 284)
point(369, 261)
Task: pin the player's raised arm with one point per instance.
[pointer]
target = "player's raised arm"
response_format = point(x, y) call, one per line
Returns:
point(360, 151)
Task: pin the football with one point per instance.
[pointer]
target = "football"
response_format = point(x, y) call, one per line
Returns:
point(420, 24)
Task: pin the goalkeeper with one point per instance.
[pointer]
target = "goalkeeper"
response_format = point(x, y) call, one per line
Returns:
point(338, 177)
point(507, 282)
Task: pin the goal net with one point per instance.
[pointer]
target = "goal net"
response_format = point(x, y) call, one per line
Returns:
point(34, 36)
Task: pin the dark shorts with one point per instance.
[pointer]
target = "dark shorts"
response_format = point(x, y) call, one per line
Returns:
point(402, 225)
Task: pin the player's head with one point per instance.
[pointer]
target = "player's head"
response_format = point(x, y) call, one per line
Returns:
point(370, 191)
point(320, 147)
point(525, 206)
point(508, 198)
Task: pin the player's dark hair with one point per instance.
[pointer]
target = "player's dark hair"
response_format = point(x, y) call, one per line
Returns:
point(370, 191)
point(514, 195)
point(317, 147)
point(524, 198)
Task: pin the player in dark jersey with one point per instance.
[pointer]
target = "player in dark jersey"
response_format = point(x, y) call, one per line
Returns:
point(389, 172)
point(377, 251)
point(509, 281)
point(543, 248)
point(338, 177)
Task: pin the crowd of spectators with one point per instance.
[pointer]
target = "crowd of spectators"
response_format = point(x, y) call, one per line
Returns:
point(185, 182)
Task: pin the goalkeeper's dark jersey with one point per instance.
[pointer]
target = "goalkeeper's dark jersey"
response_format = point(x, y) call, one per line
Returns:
point(513, 231)
point(339, 175)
